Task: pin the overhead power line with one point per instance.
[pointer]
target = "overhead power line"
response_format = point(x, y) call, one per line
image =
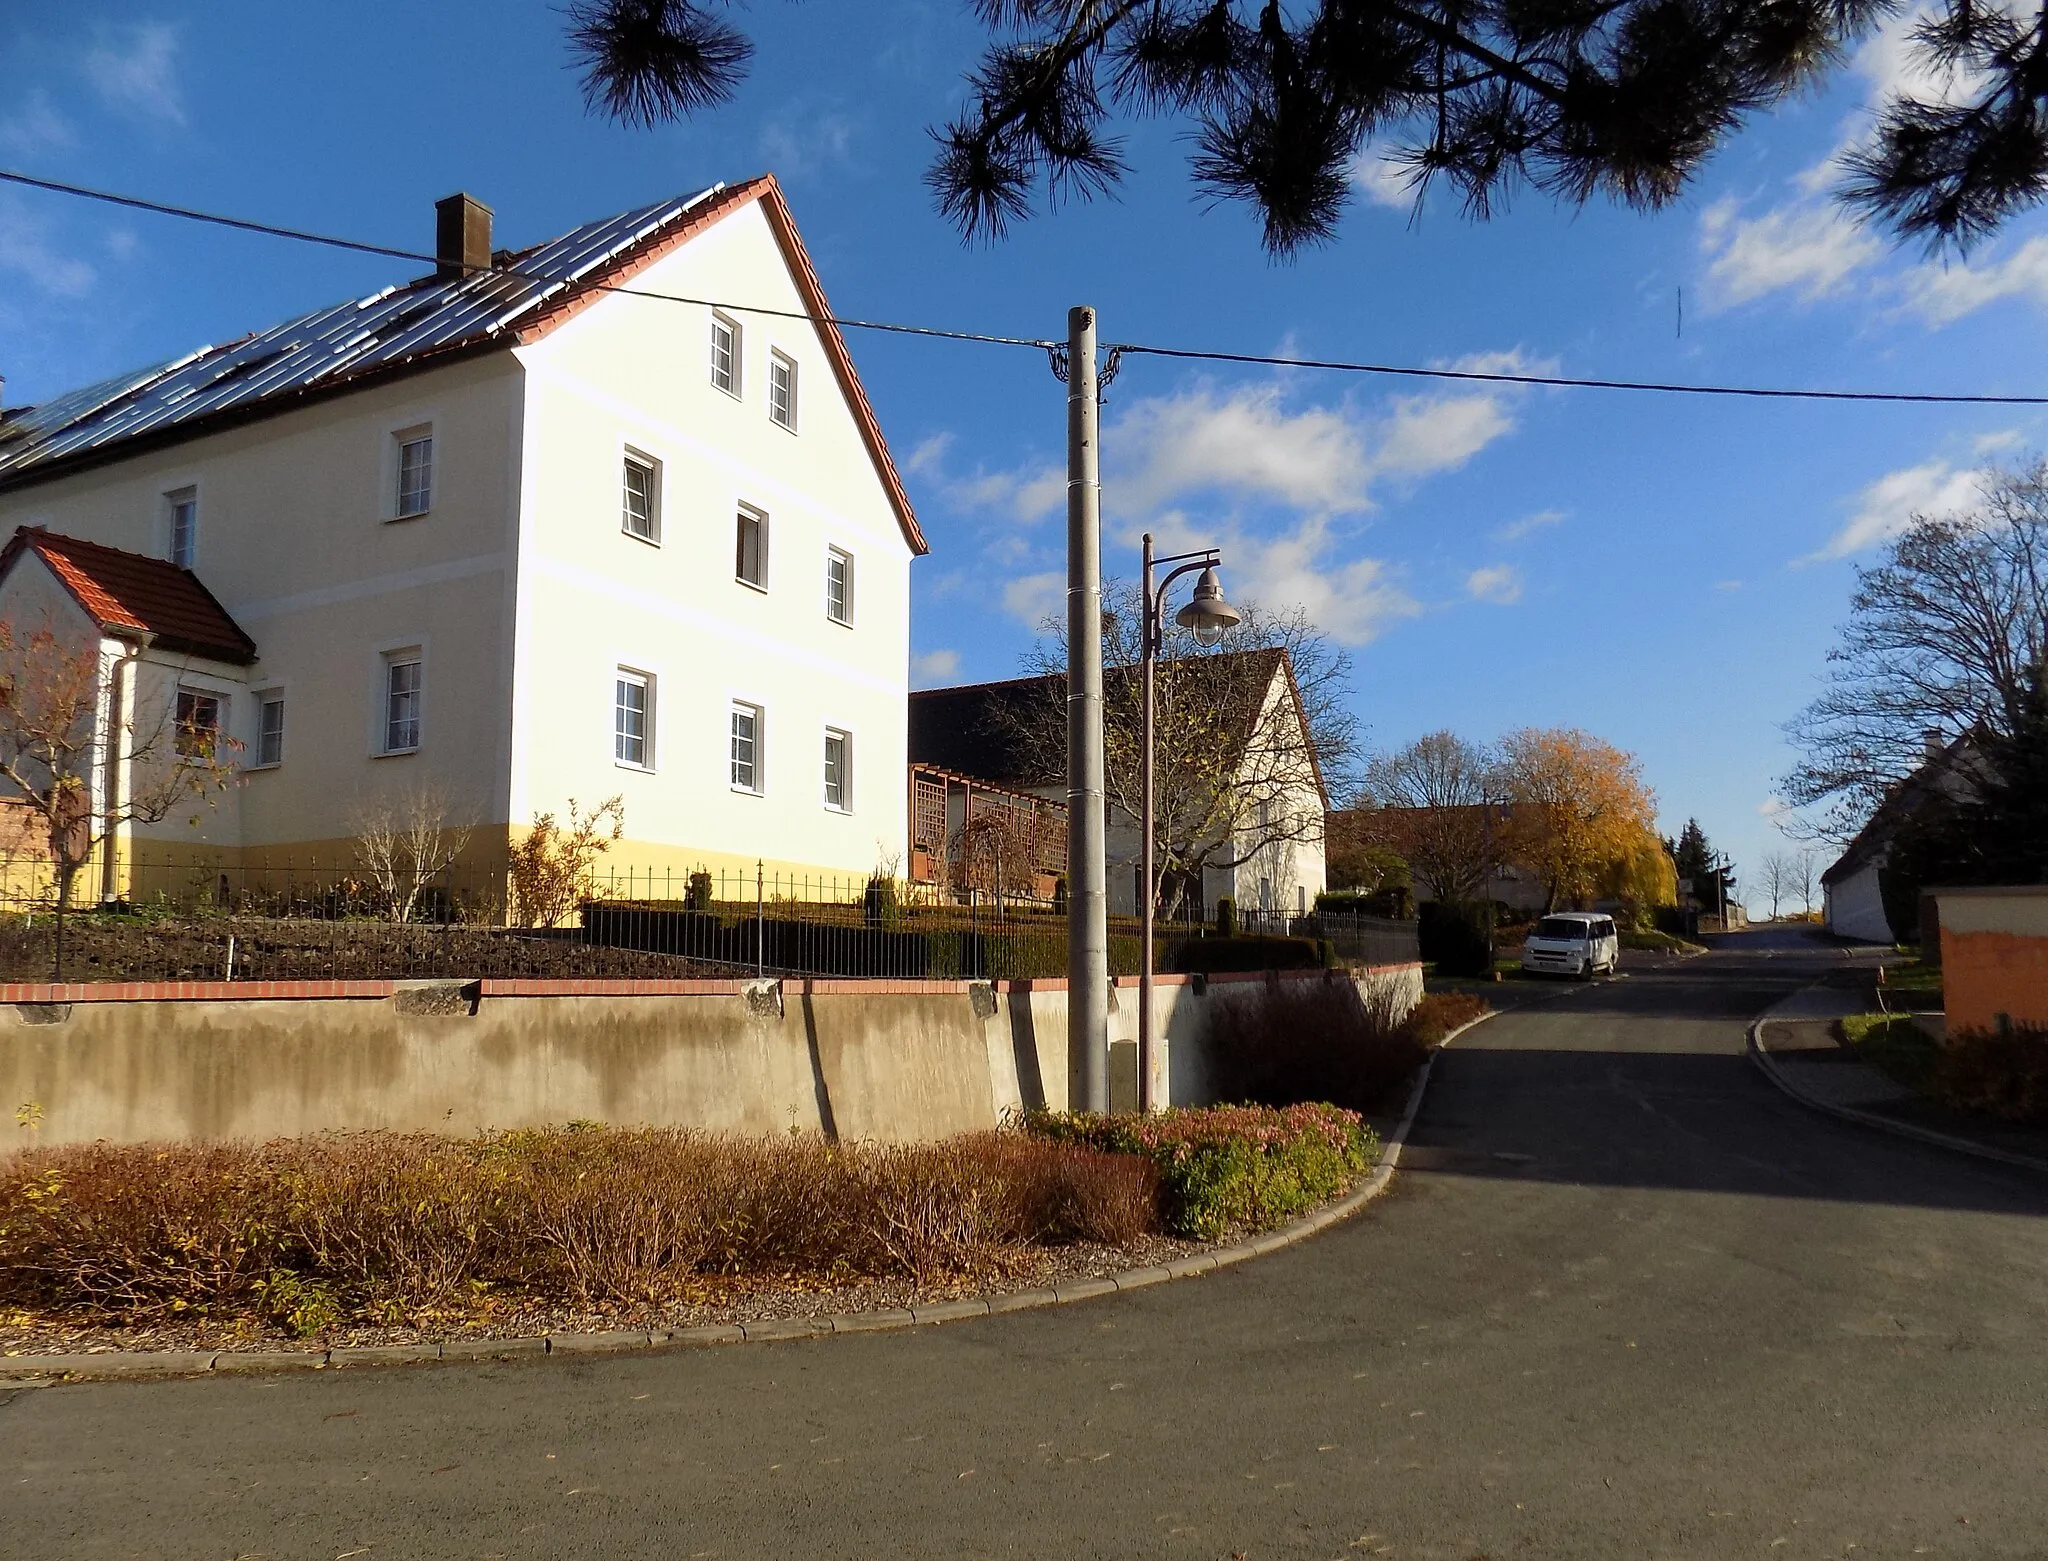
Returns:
point(1391, 370)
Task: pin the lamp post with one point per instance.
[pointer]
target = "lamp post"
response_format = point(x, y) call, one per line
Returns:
point(1208, 615)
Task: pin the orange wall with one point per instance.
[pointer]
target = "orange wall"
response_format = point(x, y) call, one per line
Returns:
point(1985, 974)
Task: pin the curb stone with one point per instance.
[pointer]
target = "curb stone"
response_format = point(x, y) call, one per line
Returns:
point(47, 1370)
point(1925, 1135)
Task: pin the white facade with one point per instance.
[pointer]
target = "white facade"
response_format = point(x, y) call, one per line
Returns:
point(1855, 908)
point(502, 619)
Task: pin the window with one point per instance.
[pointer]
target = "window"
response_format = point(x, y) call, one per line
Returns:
point(403, 688)
point(838, 770)
point(839, 586)
point(415, 472)
point(633, 718)
point(750, 553)
point(725, 354)
point(746, 748)
point(1301, 899)
point(269, 729)
point(198, 723)
point(184, 518)
point(1265, 894)
point(782, 391)
point(642, 497)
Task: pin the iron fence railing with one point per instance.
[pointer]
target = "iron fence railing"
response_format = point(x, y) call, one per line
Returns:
point(194, 918)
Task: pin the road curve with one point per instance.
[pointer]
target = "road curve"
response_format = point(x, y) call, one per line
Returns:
point(1623, 1300)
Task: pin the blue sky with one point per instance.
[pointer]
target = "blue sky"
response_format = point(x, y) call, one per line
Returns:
point(1665, 572)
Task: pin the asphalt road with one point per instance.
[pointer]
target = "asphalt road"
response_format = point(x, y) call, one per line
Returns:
point(1623, 1300)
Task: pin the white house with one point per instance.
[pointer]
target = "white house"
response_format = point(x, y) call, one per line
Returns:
point(1000, 733)
point(611, 514)
point(1854, 884)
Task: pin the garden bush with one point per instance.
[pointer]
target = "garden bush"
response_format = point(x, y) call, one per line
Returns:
point(2002, 1073)
point(390, 1228)
point(1229, 1168)
point(1216, 955)
point(1326, 1041)
point(1457, 939)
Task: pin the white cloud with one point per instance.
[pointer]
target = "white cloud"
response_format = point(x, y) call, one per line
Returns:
point(1353, 601)
point(1943, 294)
point(135, 68)
point(1034, 598)
point(1029, 493)
point(1381, 180)
point(1998, 439)
point(1887, 506)
point(27, 251)
point(1245, 442)
point(1529, 525)
point(1500, 584)
point(935, 667)
point(804, 137)
point(34, 128)
point(1810, 247)
point(1727, 585)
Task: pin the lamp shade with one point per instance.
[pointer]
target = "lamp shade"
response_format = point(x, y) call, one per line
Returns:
point(1208, 615)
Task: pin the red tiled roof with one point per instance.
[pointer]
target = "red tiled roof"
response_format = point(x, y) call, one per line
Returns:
point(128, 595)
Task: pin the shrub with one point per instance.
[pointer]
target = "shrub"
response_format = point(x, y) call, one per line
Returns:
point(393, 1227)
point(1224, 1168)
point(1309, 1040)
point(1439, 1013)
point(1216, 955)
point(2003, 1073)
point(1457, 939)
point(551, 868)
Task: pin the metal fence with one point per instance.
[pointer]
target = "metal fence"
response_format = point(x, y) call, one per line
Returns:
point(198, 919)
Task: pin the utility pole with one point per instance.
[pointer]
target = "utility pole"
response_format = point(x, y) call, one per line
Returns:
point(1087, 881)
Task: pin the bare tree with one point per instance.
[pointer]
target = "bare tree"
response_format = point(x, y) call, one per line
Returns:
point(1251, 736)
point(1437, 802)
point(1778, 877)
point(407, 840)
point(554, 868)
point(1946, 633)
point(89, 748)
point(1807, 863)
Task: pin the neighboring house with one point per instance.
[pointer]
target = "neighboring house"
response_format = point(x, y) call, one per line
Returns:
point(1000, 734)
point(513, 533)
point(1853, 887)
point(1392, 829)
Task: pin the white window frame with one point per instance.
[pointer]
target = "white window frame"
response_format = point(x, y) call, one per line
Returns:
point(394, 476)
point(845, 739)
point(737, 367)
point(260, 700)
point(844, 617)
point(632, 459)
point(786, 415)
point(184, 493)
point(622, 676)
point(389, 658)
point(741, 513)
point(758, 762)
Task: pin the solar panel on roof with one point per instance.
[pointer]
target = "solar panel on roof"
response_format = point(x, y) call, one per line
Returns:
point(388, 327)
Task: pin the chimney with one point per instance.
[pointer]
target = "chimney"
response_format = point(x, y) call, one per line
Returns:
point(462, 237)
point(1932, 744)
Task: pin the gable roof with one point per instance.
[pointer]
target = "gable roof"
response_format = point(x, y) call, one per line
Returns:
point(1958, 766)
point(983, 729)
point(129, 595)
point(406, 329)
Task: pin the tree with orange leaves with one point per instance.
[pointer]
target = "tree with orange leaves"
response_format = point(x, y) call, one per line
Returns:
point(1581, 806)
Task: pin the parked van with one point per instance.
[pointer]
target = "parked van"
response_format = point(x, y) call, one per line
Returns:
point(1573, 943)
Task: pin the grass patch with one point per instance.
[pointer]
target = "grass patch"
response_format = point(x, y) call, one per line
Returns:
point(304, 1234)
point(1653, 942)
point(1229, 1168)
point(1913, 984)
point(1892, 1044)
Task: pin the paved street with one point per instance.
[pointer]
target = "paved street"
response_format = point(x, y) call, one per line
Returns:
point(1624, 1300)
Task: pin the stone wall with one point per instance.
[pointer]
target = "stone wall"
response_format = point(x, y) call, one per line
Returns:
point(852, 1059)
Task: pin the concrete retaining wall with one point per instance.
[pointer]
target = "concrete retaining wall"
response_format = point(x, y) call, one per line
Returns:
point(853, 1059)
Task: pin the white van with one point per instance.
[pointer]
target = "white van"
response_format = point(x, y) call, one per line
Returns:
point(1573, 943)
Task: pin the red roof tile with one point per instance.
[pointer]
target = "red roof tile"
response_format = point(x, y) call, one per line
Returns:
point(129, 594)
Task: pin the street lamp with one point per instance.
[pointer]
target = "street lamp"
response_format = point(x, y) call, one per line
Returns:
point(1207, 615)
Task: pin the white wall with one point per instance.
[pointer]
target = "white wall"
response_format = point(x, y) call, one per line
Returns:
point(1855, 909)
point(636, 372)
point(295, 541)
